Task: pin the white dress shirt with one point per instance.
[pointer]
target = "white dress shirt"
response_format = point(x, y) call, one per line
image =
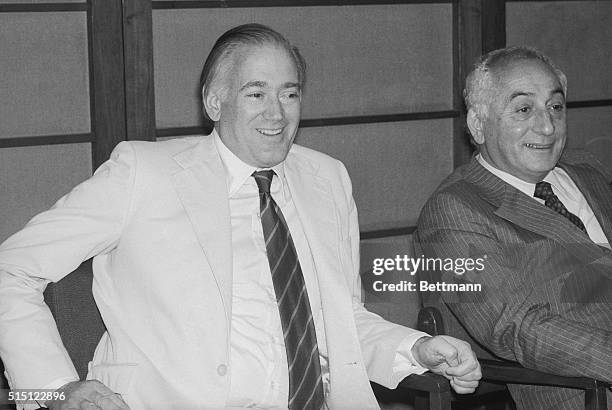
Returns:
point(258, 360)
point(567, 192)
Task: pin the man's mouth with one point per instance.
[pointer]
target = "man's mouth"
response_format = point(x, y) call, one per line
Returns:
point(269, 132)
point(538, 146)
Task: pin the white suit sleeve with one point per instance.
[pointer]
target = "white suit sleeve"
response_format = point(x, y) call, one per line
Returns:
point(84, 223)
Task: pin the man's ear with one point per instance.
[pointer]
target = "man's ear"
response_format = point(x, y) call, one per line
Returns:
point(212, 105)
point(475, 124)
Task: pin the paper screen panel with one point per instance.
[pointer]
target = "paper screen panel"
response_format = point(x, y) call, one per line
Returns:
point(577, 35)
point(591, 129)
point(394, 166)
point(44, 81)
point(362, 59)
point(32, 179)
point(397, 307)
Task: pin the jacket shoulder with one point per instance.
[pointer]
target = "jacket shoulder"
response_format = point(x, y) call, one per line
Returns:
point(160, 149)
point(303, 152)
point(152, 156)
point(457, 184)
point(324, 163)
point(458, 201)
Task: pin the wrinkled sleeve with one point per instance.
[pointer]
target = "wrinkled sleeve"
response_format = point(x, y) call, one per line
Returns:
point(86, 222)
point(510, 316)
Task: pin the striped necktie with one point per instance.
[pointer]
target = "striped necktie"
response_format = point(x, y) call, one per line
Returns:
point(305, 384)
point(544, 191)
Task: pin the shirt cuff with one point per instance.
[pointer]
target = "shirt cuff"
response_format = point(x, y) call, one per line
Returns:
point(54, 385)
point(404, 364)
point(57, 383)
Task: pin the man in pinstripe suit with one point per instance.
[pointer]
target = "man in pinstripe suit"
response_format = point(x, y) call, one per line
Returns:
point(546, 299)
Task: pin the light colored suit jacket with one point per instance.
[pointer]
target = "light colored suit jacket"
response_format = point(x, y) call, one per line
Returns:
point(156, 218)
point(547, 288)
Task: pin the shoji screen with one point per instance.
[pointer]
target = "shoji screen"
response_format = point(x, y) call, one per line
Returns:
point(44, 99)
point(577, 35)
point(369, 68)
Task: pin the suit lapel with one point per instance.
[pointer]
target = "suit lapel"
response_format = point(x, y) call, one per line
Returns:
point(202, 188)
point(598, 194)
point(313, 201)
point(524, 211)
point(316, 210)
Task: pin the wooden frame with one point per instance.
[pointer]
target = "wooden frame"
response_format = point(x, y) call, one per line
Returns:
point(193, 4)
point(106, 77)
point(121, 70)
point(120, 52)
point(42, 7)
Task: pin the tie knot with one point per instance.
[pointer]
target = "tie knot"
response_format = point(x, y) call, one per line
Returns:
point(264, 180)
point(543, 190)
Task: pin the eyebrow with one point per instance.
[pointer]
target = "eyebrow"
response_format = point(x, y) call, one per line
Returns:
point(526, 94)
point(263, 84)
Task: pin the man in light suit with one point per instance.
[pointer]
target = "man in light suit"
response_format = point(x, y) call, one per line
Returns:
point(546, 299)
point(182, 265)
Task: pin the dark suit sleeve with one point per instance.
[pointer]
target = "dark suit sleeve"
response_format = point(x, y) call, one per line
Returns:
point(513, 315)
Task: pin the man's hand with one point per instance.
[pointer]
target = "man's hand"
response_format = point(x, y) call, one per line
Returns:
point(451, 358)
point(87, 395)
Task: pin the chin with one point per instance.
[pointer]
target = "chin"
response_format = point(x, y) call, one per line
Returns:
point(547, 159)
point(271, 161)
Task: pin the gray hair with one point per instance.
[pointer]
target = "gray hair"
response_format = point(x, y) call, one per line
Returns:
point(479, 89)
point(222, 54)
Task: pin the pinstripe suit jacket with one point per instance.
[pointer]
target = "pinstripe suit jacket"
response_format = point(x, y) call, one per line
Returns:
point(546, 299)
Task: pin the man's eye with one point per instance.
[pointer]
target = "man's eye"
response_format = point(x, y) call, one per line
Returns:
point(558, 107)
point(524, 110)
point(255, 95)
point(293, 95)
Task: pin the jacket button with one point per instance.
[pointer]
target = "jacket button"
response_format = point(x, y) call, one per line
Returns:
point(222, 370)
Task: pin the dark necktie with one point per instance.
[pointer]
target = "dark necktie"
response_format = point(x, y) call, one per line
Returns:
point(544, 191)
point(305, 384)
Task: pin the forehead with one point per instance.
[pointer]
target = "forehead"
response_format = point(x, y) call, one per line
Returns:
point(531, 77)
point(265, 62)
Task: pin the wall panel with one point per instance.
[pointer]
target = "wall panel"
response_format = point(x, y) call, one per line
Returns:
point(394, 166)
point(577, 35)
point(398, 307)
point(363, 60)
point(44, 87)
point(591, 129)
point(34, 178)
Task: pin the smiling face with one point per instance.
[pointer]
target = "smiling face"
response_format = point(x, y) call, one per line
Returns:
point(257, 112)
point(523, 131)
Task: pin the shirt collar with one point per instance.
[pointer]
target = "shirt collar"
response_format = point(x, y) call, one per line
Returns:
point(563, 183)
point(238, 172)
point(557, 177)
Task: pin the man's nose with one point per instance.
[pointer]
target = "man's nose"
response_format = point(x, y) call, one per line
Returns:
point(274, 110)
point(544, 123)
